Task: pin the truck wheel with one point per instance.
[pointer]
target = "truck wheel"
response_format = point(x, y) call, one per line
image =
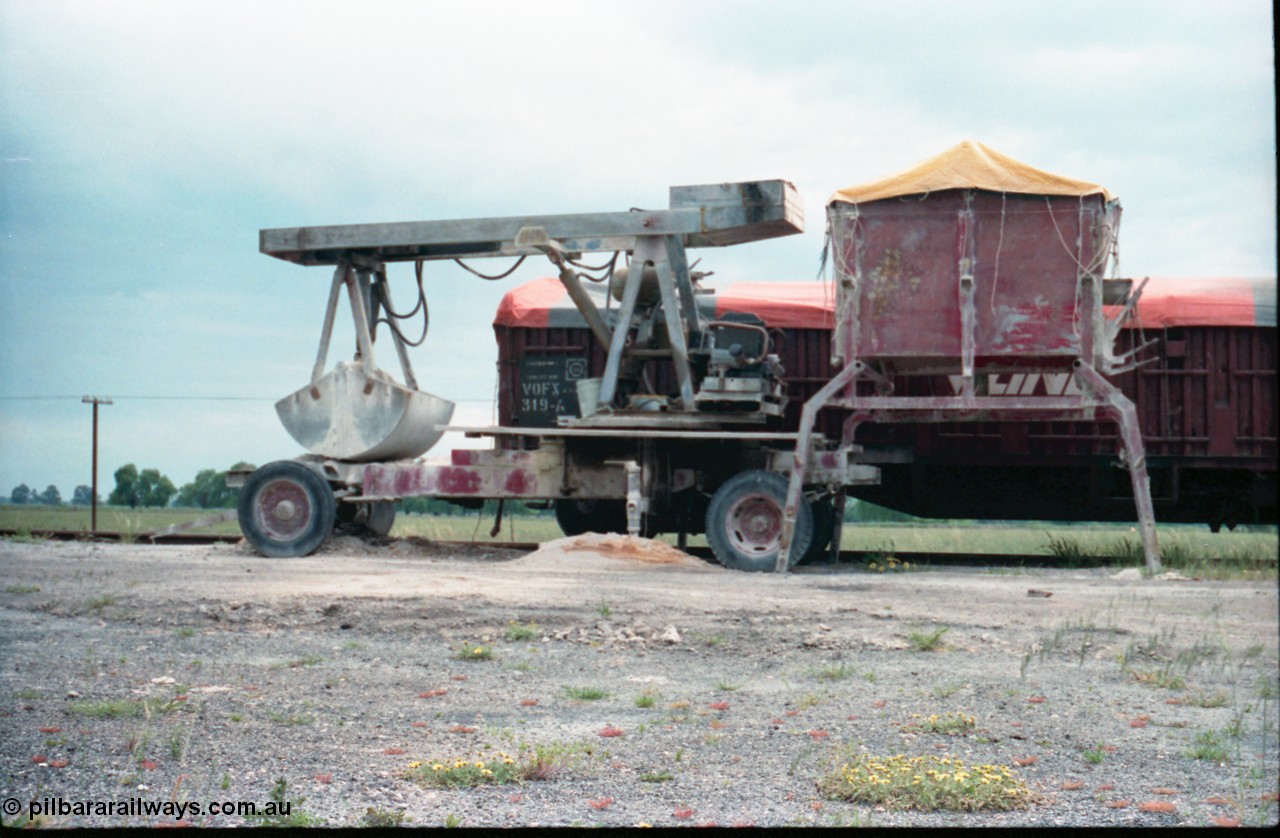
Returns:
point(578, 516)
point(744, 522)
point(375, 517)
point(286, 509)
point(824, 518)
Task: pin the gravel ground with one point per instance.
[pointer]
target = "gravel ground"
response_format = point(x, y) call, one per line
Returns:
point(336, 671)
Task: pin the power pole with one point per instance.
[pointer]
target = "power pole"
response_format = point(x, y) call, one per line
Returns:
point(93, 500)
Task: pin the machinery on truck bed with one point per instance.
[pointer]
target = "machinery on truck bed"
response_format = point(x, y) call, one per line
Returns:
point(707, 449)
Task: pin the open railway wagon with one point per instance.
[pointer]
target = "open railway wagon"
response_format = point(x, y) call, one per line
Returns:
point(707, 449)
point(1206, 404)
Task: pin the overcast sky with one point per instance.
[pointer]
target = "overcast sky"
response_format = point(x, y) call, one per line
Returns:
point(144, 144)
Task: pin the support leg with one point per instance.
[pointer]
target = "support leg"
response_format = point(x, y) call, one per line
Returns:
point(1126, 416)
point(804, 441)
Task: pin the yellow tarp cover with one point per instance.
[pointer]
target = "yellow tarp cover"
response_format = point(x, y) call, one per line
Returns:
point(969, 165)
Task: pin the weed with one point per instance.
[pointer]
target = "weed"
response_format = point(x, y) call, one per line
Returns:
point(869, 676)
point(225, 782)
point(462, 773)
point(473, 652)
point(1069, 550)
point(290, 718)
point(517, 631)
point(1095, 755)
point(726, 686)
point(656, 777)
point(948, 724)
point(834, 672)
point(603, 609)
point(117, 709)
point(810, 700)
point(98, 603)
point(929, 642)
point(452, 821)
point(177, 743)
point(1202, 699)
point(948, 688)
point(646, 700)
point(928, 783)
point(22, 589)
point(1162, 678)
point(280, 810)
point(383, 818)
point(586, 693)
point(714, 640)
point(1208, 746)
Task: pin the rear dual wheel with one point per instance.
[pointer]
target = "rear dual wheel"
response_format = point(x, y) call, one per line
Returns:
point(744, 522)
point(286, 509)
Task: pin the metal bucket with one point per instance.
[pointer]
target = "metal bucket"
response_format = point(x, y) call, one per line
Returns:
point(348, 414)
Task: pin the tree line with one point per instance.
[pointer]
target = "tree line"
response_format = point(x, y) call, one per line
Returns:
point(146, 487)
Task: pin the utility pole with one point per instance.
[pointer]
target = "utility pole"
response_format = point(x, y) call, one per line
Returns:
point(93, 500)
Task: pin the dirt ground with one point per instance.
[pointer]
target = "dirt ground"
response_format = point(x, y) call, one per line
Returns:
point(336, 671)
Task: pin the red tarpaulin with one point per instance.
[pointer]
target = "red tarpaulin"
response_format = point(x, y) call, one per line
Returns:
point(1166, 302)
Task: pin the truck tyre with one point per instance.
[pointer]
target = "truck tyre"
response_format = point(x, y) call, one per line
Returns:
point(372, 518)
point(286, 509)
point(824, 518)
point(578, 516)
point(744, 522)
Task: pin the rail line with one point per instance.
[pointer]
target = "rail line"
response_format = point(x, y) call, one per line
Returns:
point(846, 556)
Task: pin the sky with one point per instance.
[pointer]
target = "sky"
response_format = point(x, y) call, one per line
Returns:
point(144, 144)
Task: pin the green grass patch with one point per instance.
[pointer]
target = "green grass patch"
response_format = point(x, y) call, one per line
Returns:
point(518, 632)
point(586, 693)
point(473, 652)
point(930, 641)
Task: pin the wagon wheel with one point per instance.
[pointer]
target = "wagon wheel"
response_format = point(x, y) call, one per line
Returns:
point(744, 522)
point(286, 509)
point(375, 517)
point(578, 516)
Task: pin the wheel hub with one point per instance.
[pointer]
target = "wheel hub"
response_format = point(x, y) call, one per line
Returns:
point(283, 509)
point(755, 524)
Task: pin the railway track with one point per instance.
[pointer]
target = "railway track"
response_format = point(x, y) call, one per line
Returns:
point(846, 556)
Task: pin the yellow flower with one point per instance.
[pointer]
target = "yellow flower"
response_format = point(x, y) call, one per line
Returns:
point(437, 767)
point(415, 764)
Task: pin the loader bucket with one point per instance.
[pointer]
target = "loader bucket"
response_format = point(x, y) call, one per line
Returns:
point(348, 414)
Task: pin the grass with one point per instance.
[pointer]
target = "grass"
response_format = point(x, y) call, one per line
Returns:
point(834, 672)
point(1096, 754)
point(930, 641)
point(656, 777)
point(521, 632)
point(1208, 746)
point(473, 652)
point(280, 811)
point(646, 700)
point(112, 709)
point(928, 783)
point(22, 589)
point(586, 693)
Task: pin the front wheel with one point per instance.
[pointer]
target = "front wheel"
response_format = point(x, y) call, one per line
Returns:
point(744, 522)
point(286, 509)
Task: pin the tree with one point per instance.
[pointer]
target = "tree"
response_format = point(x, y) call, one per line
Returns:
point(154, 489)
point(209, 491)
point(123, 494)
point(20, 494)
point(51, 496)
point(146, 488)
point(82, 496)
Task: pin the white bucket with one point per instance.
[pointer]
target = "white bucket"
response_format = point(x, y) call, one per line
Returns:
point(588, 396)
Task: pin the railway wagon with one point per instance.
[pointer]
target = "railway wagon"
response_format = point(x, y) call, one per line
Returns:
point(1206, 398)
